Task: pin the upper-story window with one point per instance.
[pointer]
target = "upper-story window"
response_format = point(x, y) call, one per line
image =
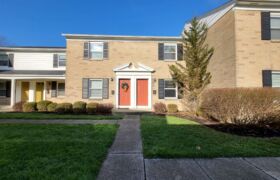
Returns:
point(96, 50)
point(170, 51)
point(61, 60)
point(275, 26)
point(4, 60)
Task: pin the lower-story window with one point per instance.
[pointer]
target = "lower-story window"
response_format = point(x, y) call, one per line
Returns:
point(2, 88)
point(95, 88)
point(170, 89)
point(275, 79)
point(61, 89)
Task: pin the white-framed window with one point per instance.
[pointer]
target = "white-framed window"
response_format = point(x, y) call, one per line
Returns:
point(61, 60)
point(275, 26)
point(60, 89)
point(96, 50)
point(170, 51)
point(4, 60)
point(96, 88)
point(275, 78)
point(2, 88)
point(170, 89)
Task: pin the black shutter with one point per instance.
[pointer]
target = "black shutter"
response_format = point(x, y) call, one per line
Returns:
point(105, 93)
point(160, 51)
point(267, 78)
point(265, 23)
point(161, 88)
point(105, 50)
point(86, 50)
point(55, 60)
point(54, 90)
point(180, 52)
point(8, 88)
point(11, 60)
point(180, 92)
point(85, 90)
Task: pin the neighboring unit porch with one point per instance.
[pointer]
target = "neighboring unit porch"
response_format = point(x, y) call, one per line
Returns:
point(30, 86)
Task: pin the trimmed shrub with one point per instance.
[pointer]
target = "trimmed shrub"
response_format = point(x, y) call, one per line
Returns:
point(51, 107)
point(160, 108)
point(29, 107)
point(63, 108)
point(92, 108)
point(242, 105)
point(105, 108)
point(172, 108)
point(42, 106)
point(18, 107)
point(79, 107)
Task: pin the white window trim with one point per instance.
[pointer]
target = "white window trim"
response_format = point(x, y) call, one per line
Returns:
point(90, 51)
point(7, 60)
point(57, 88)
point(176, 51)
point(59, 60)
point(90, 97)
point(274, 72)
point(176, 89)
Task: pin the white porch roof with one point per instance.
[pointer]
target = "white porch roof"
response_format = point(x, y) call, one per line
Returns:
point(133, 67)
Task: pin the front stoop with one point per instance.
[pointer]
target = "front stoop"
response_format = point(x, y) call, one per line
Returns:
point(125, 159)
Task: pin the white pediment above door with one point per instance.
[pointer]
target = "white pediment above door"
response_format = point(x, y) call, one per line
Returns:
point(133, 67)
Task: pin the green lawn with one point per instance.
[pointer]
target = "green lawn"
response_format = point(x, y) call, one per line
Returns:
point(53, 151)
point(170, 137)
point(37, 115)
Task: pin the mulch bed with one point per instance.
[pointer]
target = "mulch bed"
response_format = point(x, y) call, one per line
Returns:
point(241, 130)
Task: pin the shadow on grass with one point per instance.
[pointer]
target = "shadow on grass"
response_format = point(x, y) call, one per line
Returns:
point(168, 137)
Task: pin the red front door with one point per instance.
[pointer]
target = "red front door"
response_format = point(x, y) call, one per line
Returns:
point(142, 92)
point(124, 92)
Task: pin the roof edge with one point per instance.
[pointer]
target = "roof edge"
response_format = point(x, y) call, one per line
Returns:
point(32, 49)
point(121, 37)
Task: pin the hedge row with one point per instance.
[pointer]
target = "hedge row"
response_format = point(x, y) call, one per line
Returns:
point(78, 107)
point(161, 108)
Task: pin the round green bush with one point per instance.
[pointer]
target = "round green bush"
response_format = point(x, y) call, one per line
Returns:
point(105, 108)
point(63, 108)
point(42, 106)
point(79, 107)
point(29, 107)
point(172, 108)
point(51, 107)
point(92, 108)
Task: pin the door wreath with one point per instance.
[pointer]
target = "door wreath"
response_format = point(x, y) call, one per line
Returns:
point(125, 86)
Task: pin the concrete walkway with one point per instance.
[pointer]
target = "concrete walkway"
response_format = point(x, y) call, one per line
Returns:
point(56, 121)
point(125, 162)
point(125, 159)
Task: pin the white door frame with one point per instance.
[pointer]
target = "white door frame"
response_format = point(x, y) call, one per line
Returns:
point(133, 76)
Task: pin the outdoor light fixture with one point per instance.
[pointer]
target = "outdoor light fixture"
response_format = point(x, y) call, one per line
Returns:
point(112, 79)
point(155, 79)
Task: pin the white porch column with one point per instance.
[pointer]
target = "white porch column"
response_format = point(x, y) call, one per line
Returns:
point(13, 91)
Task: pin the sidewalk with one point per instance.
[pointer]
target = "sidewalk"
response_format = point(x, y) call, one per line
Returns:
point(125, 162)
point(56, 121)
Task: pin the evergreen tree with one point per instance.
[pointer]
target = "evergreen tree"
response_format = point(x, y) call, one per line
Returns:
point(193, 76)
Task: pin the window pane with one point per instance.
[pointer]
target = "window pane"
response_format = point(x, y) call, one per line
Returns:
point(170, 93)
point(4, 57)
point(61, 63)
point(2, 85)
point(4, 63)
point(96, 93)
point(97, 47)
point(62, 57)
point(169, 48)
point(275, 22)
point(61, 89)
point(275, 80)
point(169, 56)
point(170, 84)
point(96, 84)
point(97, 55)
point(275, 34)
